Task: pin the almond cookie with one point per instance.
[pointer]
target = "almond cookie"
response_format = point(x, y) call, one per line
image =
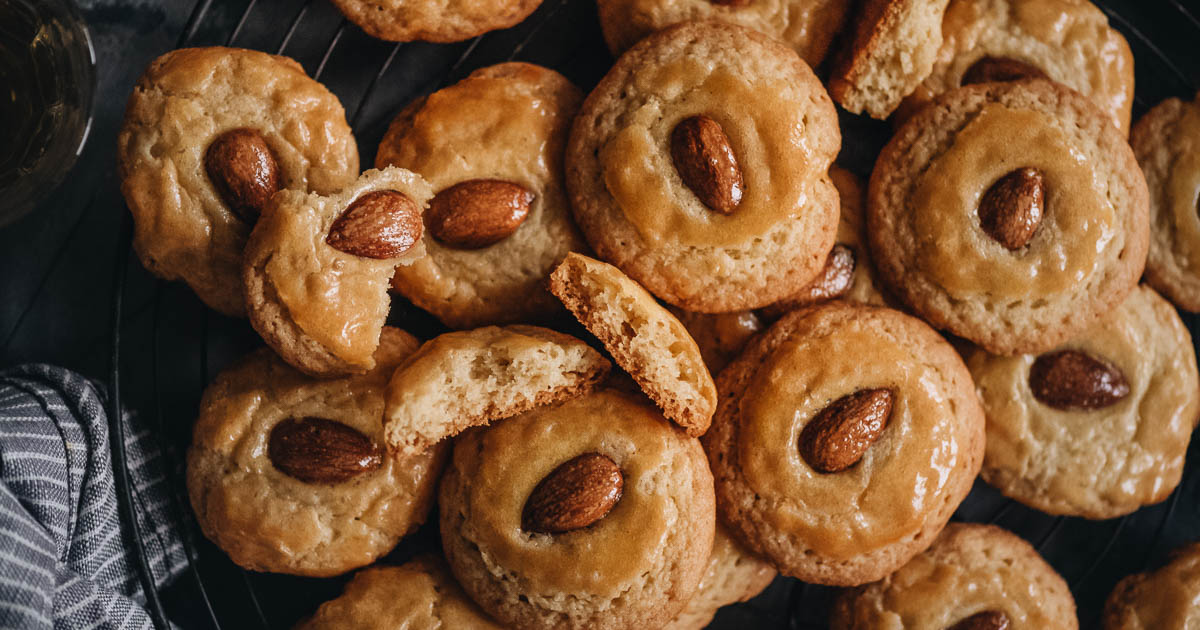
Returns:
point(733, 575)
point(1011, 214)
point(288, 473)
point(596, 513)
point(894, 45)
point(808, 26)
point(1160, 600)
point(644, 338)
point(698, 166)
point(1066, 41)
point(418, 595)
point(434, 21)
point(845, 438)
point(209, 135)
point(316, 268)
point(470, 378)
point(1167, 144)
point(492, 148)
point(1098, 426)
point(973, 577)
point(721, 337)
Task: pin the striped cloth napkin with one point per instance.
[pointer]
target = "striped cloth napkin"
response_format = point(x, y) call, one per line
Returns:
point(65, 560)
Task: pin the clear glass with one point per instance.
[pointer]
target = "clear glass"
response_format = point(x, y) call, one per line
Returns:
point(47, 77)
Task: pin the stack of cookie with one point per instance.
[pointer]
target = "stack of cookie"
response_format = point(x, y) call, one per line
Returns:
point(688, 214)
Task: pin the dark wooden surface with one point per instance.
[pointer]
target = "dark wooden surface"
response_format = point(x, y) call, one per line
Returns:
point(59, 264)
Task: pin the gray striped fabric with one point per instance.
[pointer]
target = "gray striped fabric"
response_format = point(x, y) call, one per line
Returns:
point(65, 561)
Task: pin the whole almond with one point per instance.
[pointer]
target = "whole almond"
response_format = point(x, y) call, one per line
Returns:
point(986, 620)
point(706, 163)
point(578, 493)
point(833, 282)
point(477, 213)
point(840, 434)
point(1011, 210)
point(380, 224)
point(1070, 379)
point(1000, 70)
point(244, 171)
point(316, 450)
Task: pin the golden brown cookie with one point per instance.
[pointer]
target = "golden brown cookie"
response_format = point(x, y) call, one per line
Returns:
point(1098, 426)
point(644, 338)
point(288, 474)
point(492, 148)
point(845, 438)
point(698, 166)
point(808, 26)
point(434, 20)
point(721, 337)
point(1167, 144)
point(209, 135)
point(733, 575)
point(596, 513)
point(971, 572)
point(316, 268)
point(473, 377)
point(1164, 599)
point(1011, 214)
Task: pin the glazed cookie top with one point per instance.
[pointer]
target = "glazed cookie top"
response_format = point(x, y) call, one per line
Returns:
point(286, 473)
point(842, 468)
point(808, 26)
point(636, 557)
point(1011, 214)
point(491, 146)
point(1167, 144)
point(970, 571)
point(440, 21)
point(1099, 426)
point(1067, 41)
point(184, 227)
point(687, 159)
point(1160, 600)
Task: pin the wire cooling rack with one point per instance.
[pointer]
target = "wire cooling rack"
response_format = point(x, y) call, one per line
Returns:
point(161, 367)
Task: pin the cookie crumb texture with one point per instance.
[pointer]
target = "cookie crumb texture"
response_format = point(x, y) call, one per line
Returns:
point(440, 21)
point(1164, 599)
point(634, 568)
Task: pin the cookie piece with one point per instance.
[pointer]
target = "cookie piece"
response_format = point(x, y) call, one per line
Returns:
point(1066, 41)
point(629, 496)
point(721, 337)
point(1011, 214)
point(1167, 144)
point(429, 21)
point(316, 268)
point(251, 119)
point(287, 473)
point(470, 378)
point(894, 46)
point(492, 148)
point(845, 437)
point(1098, 426)
point(970, 571)
point(1159, 600)
point(644, 338)
point(418, 595)
point(807, 26)
point(733, 575)
point(703, 174)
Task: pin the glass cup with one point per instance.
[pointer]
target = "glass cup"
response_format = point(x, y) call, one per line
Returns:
point(47, 77)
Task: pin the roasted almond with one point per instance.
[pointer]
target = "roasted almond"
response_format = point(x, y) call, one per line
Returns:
point(706, 163)
point(840, 434)
point(244, 171)
point(578, 493)
point(1070, 379)
point(986, 620)
point(477, 213)
point(316, 450)
point(1000, 70)
point(1011, 210)
point(833, 282)
point(380, 224)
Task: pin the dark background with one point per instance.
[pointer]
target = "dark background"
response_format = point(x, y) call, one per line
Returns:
point(66, 264)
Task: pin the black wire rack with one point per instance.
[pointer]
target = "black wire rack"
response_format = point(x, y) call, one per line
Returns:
point(161, 367)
